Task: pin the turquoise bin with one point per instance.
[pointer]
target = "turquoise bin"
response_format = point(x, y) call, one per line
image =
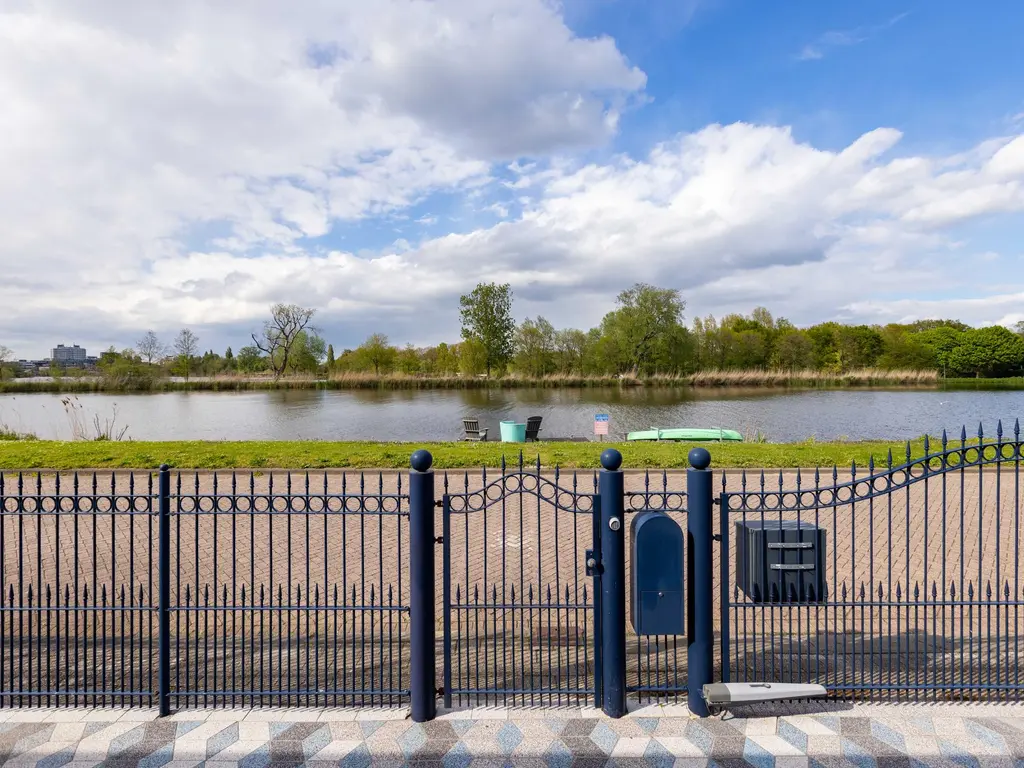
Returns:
point(511, 432)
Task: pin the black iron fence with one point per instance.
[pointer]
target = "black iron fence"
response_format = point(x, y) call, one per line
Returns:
point(210, 589)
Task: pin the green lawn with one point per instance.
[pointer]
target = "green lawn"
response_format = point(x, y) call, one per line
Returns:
point(40, 454)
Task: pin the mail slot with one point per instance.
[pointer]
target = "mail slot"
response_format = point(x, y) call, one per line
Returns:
point(656, 549)
point(780, 561)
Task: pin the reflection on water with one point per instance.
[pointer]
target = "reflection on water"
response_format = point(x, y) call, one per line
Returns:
point(410, 415)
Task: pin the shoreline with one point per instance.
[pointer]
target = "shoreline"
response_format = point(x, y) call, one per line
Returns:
point(45, 455)
point(704, 380)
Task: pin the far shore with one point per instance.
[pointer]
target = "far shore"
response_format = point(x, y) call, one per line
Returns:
point(738, 379)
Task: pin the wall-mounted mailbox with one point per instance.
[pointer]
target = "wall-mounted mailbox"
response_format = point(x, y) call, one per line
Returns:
point(656, 551)
point(780, 561)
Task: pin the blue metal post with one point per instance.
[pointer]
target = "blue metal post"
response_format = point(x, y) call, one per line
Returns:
point(422, 670)
point(613, 584)
point(700, 578)
point(163, 691)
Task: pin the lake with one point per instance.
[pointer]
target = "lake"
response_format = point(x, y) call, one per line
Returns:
point(782, 416)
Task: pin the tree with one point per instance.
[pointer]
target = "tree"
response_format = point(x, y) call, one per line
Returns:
point(447, 362)
point(185, 347)
point(793, 351)
point(330, 358)
point(150, 348)
point(125, 370)
point(277, 341)
point(534, 343)
point(486, 315)
point(992, 351)
point(308, 351)
point(472, 356)
point(639, 333)
point(377, 353)
point(249, 360)
point(6, 355)
point(409, 361)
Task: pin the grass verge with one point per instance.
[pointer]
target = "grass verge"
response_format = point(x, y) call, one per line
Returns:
point(44, 454)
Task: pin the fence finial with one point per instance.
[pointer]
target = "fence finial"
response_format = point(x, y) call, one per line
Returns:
point(611, 459)
point(699, 458)
point(421, 460)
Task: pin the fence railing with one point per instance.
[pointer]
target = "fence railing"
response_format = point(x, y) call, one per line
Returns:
point(181, 589)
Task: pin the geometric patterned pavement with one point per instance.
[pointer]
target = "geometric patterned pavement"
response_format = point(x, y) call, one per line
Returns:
point(897, 735)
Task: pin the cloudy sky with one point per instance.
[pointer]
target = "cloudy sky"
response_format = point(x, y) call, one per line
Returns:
point(165, 164)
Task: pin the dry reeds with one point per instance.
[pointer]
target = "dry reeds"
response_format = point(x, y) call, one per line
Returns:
point(862, 377)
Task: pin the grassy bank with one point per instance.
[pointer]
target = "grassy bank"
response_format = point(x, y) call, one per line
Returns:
point(1012, 383)
point(41, 454)
point(753, 378)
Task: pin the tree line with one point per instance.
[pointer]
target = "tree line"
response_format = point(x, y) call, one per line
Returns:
point(644, 335)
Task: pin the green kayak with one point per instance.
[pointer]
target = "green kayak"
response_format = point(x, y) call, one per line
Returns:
point(687, 435)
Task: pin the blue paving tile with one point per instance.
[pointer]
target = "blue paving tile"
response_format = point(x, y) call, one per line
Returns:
point(792, 735)
point(647, 724)
point(958, 755)
point(58, 759)
point(276, 729)
point(887, 735)
point(161, 757)
point(556, 724)
point(604, 737)
point(257, 759)
point(558, 755)
point(457, 757)
point(413, 738)
point(657, 756)
point(856, 754)
point(509, 737)
point(316, 741)
point(369, 726)
point(357, 758)
point(222, 740)
point(701, 738)
point(757, 755)
point(126, 741)
point(986, 735)
point(185, 726)
point(462, 727)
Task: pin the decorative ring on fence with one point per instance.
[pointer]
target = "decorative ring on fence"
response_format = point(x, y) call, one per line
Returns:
point(284, 504)
point(879, 483)
point(70, 504)
point(665, 501)
point(521, 484)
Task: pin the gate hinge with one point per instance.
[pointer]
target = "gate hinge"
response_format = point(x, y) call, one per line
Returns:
point(717, 537)
point(717, 502)
point(439, 691)
point(439, 539)
point(439, 503)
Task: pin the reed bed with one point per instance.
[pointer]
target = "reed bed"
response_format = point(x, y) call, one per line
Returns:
point(355, 381)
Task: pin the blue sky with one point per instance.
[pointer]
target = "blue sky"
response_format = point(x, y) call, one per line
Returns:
point(193, 163)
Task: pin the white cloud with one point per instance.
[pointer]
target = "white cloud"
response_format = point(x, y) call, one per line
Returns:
point(192, 163)
point(844, 38)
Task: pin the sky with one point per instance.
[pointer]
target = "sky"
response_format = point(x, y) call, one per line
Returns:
point(165, 165)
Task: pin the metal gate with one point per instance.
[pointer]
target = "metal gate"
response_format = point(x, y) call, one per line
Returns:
point(921, 577)
point(520, 595)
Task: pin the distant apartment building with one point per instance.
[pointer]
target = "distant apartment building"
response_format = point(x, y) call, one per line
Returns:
point(73, 355)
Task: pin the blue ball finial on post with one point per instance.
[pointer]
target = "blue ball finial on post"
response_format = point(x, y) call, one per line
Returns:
point(699, 458)
point(421, 460)
point(611, 459)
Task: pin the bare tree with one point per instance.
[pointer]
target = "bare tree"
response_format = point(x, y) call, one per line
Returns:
point(186, 346)
point(277, 341)
point(150, 347)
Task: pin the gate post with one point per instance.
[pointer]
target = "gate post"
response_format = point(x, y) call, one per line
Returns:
point(422, 669)
point(163, 575)
point(613, 584)
point(700, 580)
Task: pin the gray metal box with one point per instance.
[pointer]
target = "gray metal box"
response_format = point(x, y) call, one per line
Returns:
point(780, 561)
point(656, 551)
